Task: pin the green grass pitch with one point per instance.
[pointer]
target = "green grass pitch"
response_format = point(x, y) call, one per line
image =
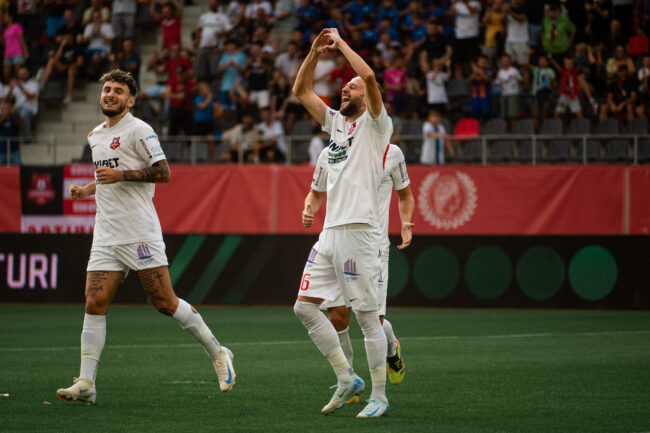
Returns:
point(467, 371)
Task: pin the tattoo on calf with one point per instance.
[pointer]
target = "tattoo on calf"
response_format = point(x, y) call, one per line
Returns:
point(158, 172)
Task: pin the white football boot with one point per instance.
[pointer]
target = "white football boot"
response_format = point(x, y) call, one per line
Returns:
point(344, 392)
point(224, 369)
point(374, 409)
point(83, 390)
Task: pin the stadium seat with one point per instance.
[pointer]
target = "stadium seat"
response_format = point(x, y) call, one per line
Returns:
point(300, 147)
point(604, 127)
point(494, 127)
point(412, 127)
point(616, 151)
point(467, 126)
point(583, 127)
point(173, 150)
point(526, 127)
point(472, 151)
point(638, 126)
point(559, 151)
point(501, 151)
point(458, 93)
point(643, 153)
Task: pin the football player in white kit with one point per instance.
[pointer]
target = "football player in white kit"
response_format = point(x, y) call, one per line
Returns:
point(395, 178)
point(128, 161)
point(347, 256)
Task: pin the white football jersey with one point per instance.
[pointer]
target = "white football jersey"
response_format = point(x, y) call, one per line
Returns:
point(125, 210)
point(394, 177)
point(354, 166)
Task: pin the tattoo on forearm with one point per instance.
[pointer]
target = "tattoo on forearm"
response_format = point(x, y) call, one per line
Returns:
point(158, 172)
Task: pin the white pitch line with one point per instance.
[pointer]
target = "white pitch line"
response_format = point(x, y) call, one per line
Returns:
point(306, 341)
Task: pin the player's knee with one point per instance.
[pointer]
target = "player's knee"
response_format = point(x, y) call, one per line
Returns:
point(339, 317)
point(96, 305)
point(165, 306)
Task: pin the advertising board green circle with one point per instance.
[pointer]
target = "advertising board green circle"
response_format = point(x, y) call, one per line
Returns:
point(398, 272)
point(540, 272)
point(436, 272)
point(488, 272)
point(593, 273)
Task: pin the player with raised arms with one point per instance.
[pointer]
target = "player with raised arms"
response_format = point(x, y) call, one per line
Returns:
point(347, 256)
point(395, 177)
point(128, 162)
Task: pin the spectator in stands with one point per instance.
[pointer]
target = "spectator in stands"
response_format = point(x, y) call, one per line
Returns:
point(558, 31)
point(213, 26)
point(25, 91)
point(436, 77)
point(542, 87)
point(272, 146)
point(231, 66)
point(643, 99)
point(395, 79)
point(418, 30)
point(157, 66)
point(169, 19)
point(621, 95)
point(204, 114)
point(598, 20)
point(467, 31)
point(54, 12)
point(508, 79)
point(306, 14)
point(179, 91)
point(287, 61)
point(340, 76)
point(16, 51)
point(614, 37)
point(235, 11)
point(623, 11)
point(323, 86)
point(270, 46)
point(95, 5)
point(619, 58)
point(355, 11)
point(316, 145)
point(517, 32)
point(436, 44)
point(123, 20)
point(534, 16)
point(434, 140)
point(10, 124)
point(481, 81)
point(175, 60)
point(65, 62)
point(243, 138)
point(70, 26)
point(569, 88)
point(385, 47)
point(336, 20)
point(494, 20)
point(293, 108)
point(99, 37)
point(258, 71)
point(27, 14)
point(280, 91)
point(127, 59)
point(258, 10)
point(284, 20)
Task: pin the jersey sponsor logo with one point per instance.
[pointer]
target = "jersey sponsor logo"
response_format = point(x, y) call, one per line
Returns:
point(338, 152)
point(317, 177)
point(447, 201)
point(350, 270)
point(149, 137)
point(110, 162)
point(115, 143)
point(402, 171)
point(146, 149)
point(144, 255)
point(41, 191)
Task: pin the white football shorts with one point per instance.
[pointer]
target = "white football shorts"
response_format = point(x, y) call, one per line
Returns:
point(344, 263)
point(136, 256)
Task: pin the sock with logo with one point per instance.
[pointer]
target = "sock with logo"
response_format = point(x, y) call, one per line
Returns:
point(191, 321)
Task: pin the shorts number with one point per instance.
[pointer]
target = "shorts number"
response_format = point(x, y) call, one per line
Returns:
point(304, 284)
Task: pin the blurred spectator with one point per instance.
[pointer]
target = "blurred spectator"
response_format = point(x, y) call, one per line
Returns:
point(287, 61)
point(71, 25)
point(542, 87)
point(323, 78)
point(175, 60)
point(157, 65)
point(169, 19)
point(621, 95)
point(495, 29)
point(306, 14)
point(395, 79)
point(270, 47)
point(272, 146)
point(231, 66)
point(341, 75)
point(385, 26)
point(243, 138)
point(316, 145)
point(436, 43)
point(355, 11)
point(336, 20)
point(390, 12)
point(283, 20)
point(203, 114)
point(179, 92)
point(481, 81)
point(534, 15)
point(619, 58)
point(508, 79)
point(127, 59)
point(434, 140)
point(623, 10)
point(436, 79)
point(235, 11)
point(467, 31)
point(643, 99)
point(598, 18)
point(517, 32)
point(10, 124)
point(213, 26)
point(568, 88)
point(15, 47)
point(54, 13)
point(418, 29)
point(65, 63)
point(95, 5)
point(558, 31)
point(258, 69)
point(124, 12)
point(25, 91)
point(614, 37)
point(257, 7)
point(99, 36)
point(280, 90)
point(27, 14)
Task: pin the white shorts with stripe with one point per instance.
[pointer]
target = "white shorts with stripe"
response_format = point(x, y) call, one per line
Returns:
point(136, 256)
point(344, 264)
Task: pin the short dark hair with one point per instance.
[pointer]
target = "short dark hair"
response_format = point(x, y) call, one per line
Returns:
point(122, 77)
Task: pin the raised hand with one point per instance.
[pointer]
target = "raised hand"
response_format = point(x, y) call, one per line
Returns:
point(334, 37)
point(321, 43)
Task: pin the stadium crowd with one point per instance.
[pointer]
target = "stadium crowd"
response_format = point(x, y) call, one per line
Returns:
point(436, 59)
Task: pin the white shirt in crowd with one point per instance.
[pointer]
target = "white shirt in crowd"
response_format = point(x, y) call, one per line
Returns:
point(436, 91)
point(210, 23)
point(316, 146)
point(22, 101)
point(643, 72)
point(128, 7)
point(322, 84)
point(125, 210)
point(251, 9)
point(96, 41)
point(509, 79)
point(517, 31)
point(274, 130)
point(433, 148)
point(286, 64)
point(467, 23)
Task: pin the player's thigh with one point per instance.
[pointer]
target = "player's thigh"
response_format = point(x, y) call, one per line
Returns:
point(101, 287)
point(158, 286)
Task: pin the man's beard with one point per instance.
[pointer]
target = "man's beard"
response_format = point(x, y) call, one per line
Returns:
point(113, 112)
point(353, 107)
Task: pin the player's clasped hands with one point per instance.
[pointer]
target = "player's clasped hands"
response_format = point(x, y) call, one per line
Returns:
point(106, 175)
point(327, 39)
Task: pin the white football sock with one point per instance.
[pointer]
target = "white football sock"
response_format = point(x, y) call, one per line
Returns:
point(346, 345)
point(390, 338)
point(376, 346)
point(191, 321)
point(93, 337)
point(322, 333)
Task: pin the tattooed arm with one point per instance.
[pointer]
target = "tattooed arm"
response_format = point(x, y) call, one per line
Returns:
point(157, 173)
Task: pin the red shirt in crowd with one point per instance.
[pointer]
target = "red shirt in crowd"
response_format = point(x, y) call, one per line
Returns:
point(171, 31)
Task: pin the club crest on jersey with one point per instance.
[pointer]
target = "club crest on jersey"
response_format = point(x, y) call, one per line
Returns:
point(350, 270)
point(115, 143)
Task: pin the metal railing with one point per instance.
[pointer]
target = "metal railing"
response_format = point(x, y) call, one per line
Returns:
point(62, 149)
